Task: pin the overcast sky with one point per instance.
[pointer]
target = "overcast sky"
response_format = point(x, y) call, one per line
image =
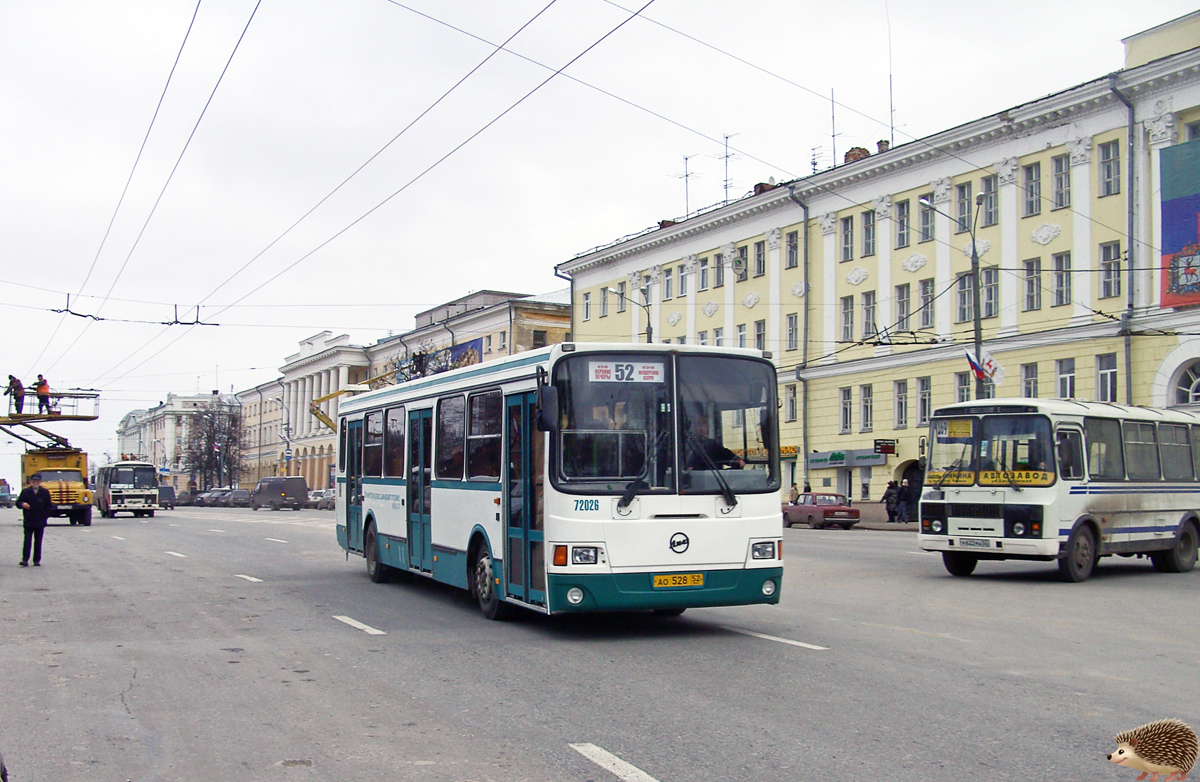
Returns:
point(501, 180)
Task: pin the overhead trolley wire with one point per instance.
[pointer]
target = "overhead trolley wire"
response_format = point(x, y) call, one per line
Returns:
point(170, 176)
point(128, 180)
point(404, 187)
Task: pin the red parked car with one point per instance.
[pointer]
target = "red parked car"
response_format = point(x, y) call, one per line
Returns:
point(819, 509)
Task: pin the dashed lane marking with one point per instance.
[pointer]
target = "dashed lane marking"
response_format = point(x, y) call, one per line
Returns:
point(359, 625)
point(177, 554)
point(788, 641)
point(216, 530)
point(248, 578)
point(610, 762)
point(118, 537)
point(276, 540)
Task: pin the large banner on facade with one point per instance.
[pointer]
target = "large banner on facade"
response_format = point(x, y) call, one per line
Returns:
point(1180, 169)
point(466, 354)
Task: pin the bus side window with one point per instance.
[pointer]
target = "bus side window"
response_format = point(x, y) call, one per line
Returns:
point(1070, 455)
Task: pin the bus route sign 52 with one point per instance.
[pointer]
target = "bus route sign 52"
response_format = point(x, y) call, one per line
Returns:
point(625, 371)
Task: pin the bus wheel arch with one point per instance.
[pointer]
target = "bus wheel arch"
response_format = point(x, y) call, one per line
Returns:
point(1081, 553)
point(378, 572)
point(1181, 557)
point(482, 581)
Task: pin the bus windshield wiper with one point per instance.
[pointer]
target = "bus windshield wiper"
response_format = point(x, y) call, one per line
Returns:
point(726, 492)
point(954, 465)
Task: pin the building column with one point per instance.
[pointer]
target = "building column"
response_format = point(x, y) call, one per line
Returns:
point(1081, 227)
point(1010, 218)
point(943, 308)
point(831, 326)
point(884, 238)
point(774, 280)
point(1161, 128)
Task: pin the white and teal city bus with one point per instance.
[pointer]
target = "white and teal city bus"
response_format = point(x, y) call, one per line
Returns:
point(578, 477)
point(1061, 480)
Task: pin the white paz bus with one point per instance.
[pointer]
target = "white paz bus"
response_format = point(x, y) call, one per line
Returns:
point(1061, 480)
point(578, 477)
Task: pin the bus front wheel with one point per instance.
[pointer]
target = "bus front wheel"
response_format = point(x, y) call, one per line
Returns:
point(959, 564)
point(1077, 565)
point(490, 603)
point(378, 572)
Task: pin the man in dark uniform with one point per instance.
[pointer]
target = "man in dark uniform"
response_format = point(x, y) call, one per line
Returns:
point(37, 505)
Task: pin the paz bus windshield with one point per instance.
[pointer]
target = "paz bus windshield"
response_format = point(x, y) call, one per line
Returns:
point(688, 423)
point(996, 450)
point(140, 477)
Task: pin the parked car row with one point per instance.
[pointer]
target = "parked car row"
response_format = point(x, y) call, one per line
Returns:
point(322, 499)
point(273, 493)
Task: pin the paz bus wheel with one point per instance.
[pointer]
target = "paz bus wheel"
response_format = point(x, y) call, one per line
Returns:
point(378, 572)
point(490, 604)
point(1182, 557)
point(959, 564)
point(1077, 565)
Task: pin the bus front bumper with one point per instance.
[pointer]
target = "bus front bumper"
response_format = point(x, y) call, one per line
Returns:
point(636, 591)
point(991, 548)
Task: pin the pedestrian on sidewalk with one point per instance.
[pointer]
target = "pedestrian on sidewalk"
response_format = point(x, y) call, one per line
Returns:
point(904, 500)
point(891, 500)
point(36, 503)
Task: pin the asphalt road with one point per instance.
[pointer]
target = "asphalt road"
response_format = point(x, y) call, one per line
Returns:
point(207, 644)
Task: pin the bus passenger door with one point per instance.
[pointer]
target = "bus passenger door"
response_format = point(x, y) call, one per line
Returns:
point(354, 485)
point(420, 470)
point(525, 540)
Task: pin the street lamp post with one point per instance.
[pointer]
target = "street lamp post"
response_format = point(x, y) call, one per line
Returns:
point(977, 313)
point(645, 306)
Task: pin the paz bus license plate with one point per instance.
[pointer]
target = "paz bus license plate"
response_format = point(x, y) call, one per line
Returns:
point(975, 542)
point(679, 580)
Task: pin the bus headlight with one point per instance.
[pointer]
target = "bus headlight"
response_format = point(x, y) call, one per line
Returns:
point(574, 596)
point(763, 550)
point(583, 555)
point(1018, 529)
point(768, 587)
point(936, 526)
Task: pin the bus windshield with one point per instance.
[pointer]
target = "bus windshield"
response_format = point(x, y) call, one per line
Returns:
point(134, 477)
point(726, 412)
point(627, 418)
point(998, 450)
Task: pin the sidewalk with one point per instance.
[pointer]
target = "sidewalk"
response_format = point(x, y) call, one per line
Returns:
point(872, 515)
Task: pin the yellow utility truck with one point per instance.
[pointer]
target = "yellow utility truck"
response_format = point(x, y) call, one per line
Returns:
point(64, 472)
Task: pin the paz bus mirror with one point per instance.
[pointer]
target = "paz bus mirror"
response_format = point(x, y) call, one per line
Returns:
point(547, 402)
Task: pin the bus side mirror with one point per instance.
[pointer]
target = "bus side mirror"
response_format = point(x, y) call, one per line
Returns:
point(547, 403)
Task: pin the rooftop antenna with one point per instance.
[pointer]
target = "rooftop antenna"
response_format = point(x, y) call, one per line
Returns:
point(816, 155)
point(685, 176)
point(727, 157)
point(891, 98)
point(833, 134)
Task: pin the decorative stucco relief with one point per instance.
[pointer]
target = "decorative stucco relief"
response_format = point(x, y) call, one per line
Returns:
point(1045, 234)
point(981, 246)
point(914, 262)
point(857, 276)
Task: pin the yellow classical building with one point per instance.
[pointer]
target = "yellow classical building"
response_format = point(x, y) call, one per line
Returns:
point(1079, 209)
